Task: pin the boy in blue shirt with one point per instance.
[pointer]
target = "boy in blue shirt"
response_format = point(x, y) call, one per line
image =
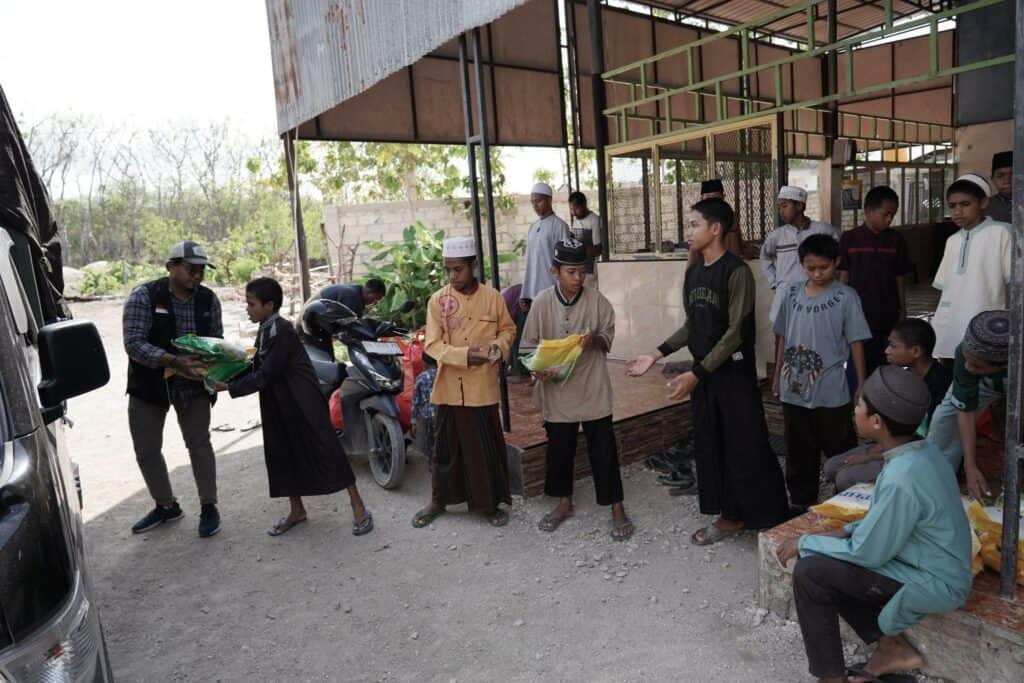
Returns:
point(979, 378)
point(909, 557)
point(819, 324)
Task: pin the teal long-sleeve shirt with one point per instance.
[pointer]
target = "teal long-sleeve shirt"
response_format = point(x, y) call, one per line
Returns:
point(915, 532)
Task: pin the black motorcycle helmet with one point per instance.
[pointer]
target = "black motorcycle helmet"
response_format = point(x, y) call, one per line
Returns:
point(322, 318)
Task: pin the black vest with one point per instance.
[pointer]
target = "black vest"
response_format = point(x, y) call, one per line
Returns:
point(706, 300)
point(149, 384)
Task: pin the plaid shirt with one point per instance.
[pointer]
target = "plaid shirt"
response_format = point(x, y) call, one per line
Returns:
point(138, 319)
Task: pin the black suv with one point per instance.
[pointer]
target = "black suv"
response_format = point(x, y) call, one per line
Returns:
point(49, 625)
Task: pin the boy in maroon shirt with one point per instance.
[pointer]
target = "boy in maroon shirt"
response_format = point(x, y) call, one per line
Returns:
point(873, 259)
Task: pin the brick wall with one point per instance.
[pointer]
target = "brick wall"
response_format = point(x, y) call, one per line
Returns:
point(384, 222)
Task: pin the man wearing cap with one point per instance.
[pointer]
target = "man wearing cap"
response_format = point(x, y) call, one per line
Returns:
point(469, 331)
point(979, 379)
point(585, 397)
point(909, 557)
point(1000, 204)
point(975, 271)
point(159, 377)
point(547, 231)
point(779, 259)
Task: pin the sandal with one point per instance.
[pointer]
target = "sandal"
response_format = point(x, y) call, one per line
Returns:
point(283, 526)
point(425, 516)
point(859, 671)
point(622, 530)
point(551, 521)
point(363, 525)
point(690, 489)
point(712, 534)
point(498, 518)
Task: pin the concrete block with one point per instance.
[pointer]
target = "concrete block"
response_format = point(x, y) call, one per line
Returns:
point(983, 641)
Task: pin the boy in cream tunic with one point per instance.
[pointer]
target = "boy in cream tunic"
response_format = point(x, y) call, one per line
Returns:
point(585, 397)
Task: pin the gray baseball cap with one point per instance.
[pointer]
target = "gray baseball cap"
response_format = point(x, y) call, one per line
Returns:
point(189, 252)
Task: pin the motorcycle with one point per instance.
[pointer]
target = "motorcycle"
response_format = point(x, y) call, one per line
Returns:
point(370, 384)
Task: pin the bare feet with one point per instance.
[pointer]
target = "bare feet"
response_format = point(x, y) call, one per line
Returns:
point(892, 655)
point(728, 524)
point(563, 511)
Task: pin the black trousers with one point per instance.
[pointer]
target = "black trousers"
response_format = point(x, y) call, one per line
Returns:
point(825, 589)
point(601, 449)
point(738, 476)
point(874, 357)
point(809, 432)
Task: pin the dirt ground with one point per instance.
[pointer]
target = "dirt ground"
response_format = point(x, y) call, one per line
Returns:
point(458, 601)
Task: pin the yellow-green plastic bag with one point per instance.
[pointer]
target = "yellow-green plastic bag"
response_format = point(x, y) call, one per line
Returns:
point(558, 356)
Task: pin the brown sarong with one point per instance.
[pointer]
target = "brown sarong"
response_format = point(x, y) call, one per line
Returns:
point(471, 463)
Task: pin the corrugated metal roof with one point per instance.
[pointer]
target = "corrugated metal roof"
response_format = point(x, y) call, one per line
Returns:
point(854, 16)
point(327, 51)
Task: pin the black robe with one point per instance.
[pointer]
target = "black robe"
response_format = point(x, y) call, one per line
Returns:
point(301, 448)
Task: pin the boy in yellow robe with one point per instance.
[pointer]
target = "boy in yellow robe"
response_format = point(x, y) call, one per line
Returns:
point(469, 331)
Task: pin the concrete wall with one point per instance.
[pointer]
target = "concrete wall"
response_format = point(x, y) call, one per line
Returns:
point(384, 222)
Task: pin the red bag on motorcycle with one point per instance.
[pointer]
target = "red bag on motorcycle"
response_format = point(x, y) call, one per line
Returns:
point(412, 366)
point(336, 417)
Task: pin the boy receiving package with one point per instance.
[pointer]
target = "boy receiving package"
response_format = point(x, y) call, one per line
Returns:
point(301, 449)
point(908, 558)
point(737, 474)
point(819, 324)
point(874, 260)
point(979, 378)
point(570, 308)
point(975, 271)
point(910, 346)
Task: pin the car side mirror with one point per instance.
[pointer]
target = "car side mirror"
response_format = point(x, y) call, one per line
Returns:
point(72, 361)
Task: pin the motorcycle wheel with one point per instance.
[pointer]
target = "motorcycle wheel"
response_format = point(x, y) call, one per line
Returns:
point(387, 454)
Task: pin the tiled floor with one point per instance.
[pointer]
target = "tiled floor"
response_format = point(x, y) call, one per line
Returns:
point(633, 396)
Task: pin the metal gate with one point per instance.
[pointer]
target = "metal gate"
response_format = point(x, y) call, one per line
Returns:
point(651, 185)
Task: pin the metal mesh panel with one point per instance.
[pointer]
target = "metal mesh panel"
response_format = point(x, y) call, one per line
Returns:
point(629, 200)
point(743, 160)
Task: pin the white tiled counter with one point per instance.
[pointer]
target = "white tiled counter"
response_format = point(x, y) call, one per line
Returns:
point(648, 300)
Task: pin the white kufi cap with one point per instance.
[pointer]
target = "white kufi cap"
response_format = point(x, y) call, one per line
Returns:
point(979, 180)
point(793, 194)
point(542, 188)
point(459, 247)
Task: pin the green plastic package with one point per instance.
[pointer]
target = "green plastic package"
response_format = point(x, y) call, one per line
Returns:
point(224, 360)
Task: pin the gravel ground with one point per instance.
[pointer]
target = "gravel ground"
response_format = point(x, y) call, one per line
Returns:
point(458, 601)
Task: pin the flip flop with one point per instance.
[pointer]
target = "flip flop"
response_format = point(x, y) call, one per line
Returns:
point(363, 525)
point(283, 526)
point(859, 671)
point(622, 530)
point(711, 534)
point(498, 518)
point(550, 521)
point(425, 516)
point(690, 489)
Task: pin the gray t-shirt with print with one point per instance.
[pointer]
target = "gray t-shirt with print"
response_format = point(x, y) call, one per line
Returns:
point(817, 332)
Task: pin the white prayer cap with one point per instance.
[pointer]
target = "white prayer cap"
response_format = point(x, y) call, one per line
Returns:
point(459, 247)
point(979, 180)
point(793, 193)
point(542, 188)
